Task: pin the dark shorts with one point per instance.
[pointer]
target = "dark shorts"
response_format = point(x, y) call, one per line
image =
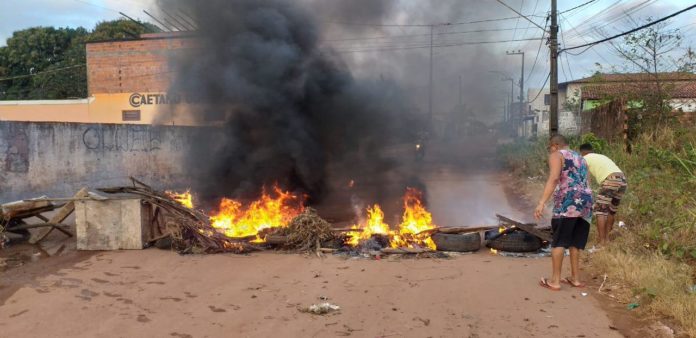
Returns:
point(570, 232)
point(610, 193)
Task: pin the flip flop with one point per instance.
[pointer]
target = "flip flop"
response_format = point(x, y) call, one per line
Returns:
point(544, 283)
point(570, 282)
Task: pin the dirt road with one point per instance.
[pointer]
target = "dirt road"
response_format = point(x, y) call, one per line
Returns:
point(158, 294)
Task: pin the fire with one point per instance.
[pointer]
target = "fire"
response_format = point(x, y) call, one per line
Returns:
point(273, 210)
point(184, 198)
point(415, 221)
point(374, 226)
point(412, 231)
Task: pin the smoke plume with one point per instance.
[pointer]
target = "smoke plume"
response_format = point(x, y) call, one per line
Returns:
point(291, 110)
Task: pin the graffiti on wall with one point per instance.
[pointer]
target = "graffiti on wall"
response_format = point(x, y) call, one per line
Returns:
point(122, 138)
point(16, 144)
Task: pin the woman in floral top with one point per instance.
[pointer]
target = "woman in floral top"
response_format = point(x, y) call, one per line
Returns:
point(572, 210)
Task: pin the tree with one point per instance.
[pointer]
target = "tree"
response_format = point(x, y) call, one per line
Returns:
point(49, 63)
point(654, 51)
point(120, 30)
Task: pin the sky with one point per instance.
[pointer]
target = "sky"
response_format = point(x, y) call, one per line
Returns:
point(368, 56)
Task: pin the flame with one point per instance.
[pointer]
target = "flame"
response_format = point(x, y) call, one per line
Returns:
point(270, 211)
point(374, 226)
point(184, 198)
point(494, 251)
point(416, 220)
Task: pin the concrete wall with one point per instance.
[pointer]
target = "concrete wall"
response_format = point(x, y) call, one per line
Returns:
point(56, 159)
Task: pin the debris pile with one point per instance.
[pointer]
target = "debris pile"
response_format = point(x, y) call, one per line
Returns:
point(190, 229)
point(307, 232)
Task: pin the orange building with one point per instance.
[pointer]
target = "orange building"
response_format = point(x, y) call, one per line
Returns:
point(128, 82)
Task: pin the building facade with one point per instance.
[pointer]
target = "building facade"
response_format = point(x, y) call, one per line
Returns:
point(128, 82)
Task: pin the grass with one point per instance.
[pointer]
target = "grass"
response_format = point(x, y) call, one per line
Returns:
point(661, 286)
point(655, 256)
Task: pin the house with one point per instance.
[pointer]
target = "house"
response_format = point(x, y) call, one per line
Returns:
point(539, 107)
point(583, 95)
point(678, 88)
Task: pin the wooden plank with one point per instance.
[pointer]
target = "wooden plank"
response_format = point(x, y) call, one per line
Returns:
point(461, 230)
point(38, 225)
point(18, 206)
point(529, 228)
point(59, 217)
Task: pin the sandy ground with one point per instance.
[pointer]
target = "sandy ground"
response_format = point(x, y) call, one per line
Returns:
point(157, 293)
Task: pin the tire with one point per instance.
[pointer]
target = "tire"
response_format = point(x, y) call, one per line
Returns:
point(457, 242)
point(518, 241)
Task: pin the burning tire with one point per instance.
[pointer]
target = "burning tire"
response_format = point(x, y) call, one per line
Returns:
point(517, 241)
point(457, 242)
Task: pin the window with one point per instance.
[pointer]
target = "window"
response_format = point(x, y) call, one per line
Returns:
point(130, 115)
point(547, 99)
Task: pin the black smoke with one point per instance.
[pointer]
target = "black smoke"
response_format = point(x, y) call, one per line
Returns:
point(291, 111)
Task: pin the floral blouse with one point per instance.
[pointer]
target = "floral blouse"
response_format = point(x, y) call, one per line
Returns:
point(573, 196)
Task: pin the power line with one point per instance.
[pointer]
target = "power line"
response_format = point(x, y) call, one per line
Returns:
point(570, 71)
point(541, 43)
point(434, 46)
point(578, 6)
point(417, 35)
point(632, 30)
point(424, 25)
point(542, 88)
point(616, 17)
point(601, 15)
point(40, 73)
point(526, 29)
point(573, 28)
point(514, 33)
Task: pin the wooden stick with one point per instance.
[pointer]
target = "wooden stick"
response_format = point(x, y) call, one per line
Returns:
point(276, 239)
point(59, 217)
point(504, 232)
point(529, 228)
point(402, 251)
point(460, 230)
point(603, 281)
point(38, 225)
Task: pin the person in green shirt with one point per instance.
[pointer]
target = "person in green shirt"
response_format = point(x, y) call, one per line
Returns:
point(613, 185)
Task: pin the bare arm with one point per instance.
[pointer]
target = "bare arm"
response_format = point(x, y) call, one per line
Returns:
point(555, 166)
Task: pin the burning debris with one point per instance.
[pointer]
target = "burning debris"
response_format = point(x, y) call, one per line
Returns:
point(274, 210)
point(190, 229)
point(308, 231)
point(413, 232)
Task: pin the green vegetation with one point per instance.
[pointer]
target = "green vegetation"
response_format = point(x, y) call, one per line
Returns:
point(49, 63)
point(655, 255)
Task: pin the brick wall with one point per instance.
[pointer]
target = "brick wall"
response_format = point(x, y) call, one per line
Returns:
point(132, 66)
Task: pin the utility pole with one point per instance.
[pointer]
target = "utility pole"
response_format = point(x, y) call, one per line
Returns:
point(430, 95)
point(512, 98)
point(460, 91)
point(553, 45)
point(519, 52)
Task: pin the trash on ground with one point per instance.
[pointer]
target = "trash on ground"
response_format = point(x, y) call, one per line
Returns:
point(632, 306)
point(321, 308)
